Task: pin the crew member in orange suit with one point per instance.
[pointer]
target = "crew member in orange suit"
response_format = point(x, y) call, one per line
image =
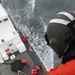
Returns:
point(25, 61)
point(60, 36)
point(25, 39)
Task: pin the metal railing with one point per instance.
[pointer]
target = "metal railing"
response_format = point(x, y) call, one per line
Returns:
point(21, 73)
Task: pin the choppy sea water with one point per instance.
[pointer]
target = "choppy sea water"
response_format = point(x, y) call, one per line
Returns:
point(32, 16)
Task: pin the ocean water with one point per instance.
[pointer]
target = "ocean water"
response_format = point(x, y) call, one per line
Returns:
point(32, 16)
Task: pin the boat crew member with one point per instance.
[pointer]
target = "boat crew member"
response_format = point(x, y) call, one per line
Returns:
point(26, 62)
point(60, 36)
point(36, 70)
point(25, 39)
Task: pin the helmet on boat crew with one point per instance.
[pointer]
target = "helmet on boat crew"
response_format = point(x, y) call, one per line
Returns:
point(25, 61)
point(37, 67)
point(60, 33)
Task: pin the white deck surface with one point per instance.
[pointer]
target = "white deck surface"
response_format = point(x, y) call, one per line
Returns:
point(2, 12)
point(7, 31)
point(9, 37)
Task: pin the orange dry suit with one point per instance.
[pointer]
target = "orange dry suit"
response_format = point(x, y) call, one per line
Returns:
point(64, 69)
point(68, 64)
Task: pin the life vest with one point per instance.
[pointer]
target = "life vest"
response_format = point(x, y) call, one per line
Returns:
point(64, 69)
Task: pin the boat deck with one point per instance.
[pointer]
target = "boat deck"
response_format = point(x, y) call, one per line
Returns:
point(30, 55)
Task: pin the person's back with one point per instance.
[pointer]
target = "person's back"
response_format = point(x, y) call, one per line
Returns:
point(60, 36)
